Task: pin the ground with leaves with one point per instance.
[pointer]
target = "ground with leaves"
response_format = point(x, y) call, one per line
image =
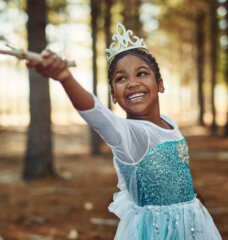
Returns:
point(75, 205)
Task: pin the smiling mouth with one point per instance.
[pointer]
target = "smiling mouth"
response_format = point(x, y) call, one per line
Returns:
point(135, 96)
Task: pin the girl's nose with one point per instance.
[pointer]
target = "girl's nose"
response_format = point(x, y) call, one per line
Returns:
point(132, 83)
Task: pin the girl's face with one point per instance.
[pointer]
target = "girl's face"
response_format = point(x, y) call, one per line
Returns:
point(135, 87)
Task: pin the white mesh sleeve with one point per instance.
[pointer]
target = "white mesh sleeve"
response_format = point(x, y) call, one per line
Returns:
point(128, 140)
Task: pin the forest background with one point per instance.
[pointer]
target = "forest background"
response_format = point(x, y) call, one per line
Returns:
point(189, 39)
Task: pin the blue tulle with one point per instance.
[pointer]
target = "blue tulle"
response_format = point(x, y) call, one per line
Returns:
point(183, 221)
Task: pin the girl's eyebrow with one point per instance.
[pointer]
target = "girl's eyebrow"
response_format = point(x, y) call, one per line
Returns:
point(120, 71)
point(138, 68)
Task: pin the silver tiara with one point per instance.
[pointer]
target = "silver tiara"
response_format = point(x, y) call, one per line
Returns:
point(124, 42)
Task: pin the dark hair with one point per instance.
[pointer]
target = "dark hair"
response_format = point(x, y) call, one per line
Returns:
point(148, 58)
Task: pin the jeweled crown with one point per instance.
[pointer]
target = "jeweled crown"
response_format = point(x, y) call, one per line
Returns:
point(123, 42)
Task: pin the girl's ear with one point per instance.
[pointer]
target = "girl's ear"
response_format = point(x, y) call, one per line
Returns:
point(161, 88)
point(113, 96)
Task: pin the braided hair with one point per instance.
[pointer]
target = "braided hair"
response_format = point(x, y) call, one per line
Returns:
point(147, 57)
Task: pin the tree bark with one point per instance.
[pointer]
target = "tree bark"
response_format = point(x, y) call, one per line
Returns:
point(39, 156)
point(200, 62)
point(108, 35)
point(131, 16)
point(95, 139)
point(226, 71)
point(214, 53)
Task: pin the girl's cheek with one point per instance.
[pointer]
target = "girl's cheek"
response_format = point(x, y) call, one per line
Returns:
point(113, 85)
point(117, 87)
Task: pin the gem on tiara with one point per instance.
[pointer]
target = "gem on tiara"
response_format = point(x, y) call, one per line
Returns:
point(124, 42)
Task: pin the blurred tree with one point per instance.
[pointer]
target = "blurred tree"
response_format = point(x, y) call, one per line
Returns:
point(39, 156)
point(200, 38)
point(200, 15)
point(107, 26)
point(213, 5)
point(95, 139)
point(131, 16)
point(226, 66)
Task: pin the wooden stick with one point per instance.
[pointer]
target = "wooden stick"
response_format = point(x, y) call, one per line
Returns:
point(28, 55)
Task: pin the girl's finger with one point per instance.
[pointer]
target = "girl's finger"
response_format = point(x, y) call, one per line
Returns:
point(52, 69)
point(46, 53)
point(57, 63)
point(33, 63)
point(46, 64)
point(63, 65)
point(56, 72)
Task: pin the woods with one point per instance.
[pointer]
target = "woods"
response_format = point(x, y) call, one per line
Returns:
point(196, 36)
point(53, 166)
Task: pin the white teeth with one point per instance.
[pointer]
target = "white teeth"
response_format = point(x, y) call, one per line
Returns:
point(136, 95)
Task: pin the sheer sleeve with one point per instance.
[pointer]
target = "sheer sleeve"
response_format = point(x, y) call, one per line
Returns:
point(128, 140)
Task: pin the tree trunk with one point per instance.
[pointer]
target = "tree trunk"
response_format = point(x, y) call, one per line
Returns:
point(95, 139)
point(39, 156)
point(108, 35)
point(200, 62)
point(131, 16)
point(214, 53)
point(226, 71)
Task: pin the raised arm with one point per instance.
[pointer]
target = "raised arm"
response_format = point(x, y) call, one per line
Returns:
point(127, 141)
point(52, 66)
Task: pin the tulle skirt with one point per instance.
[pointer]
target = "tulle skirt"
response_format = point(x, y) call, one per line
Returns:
point(182, 221)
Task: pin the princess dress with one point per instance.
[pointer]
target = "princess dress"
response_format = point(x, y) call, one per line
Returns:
point(156, 201)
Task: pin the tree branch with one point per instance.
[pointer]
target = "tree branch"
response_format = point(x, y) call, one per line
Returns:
point(28, 55)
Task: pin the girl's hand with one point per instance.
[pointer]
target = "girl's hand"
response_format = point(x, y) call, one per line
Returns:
point(51, 66)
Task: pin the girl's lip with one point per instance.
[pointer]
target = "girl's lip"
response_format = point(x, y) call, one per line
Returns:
point(135, 95)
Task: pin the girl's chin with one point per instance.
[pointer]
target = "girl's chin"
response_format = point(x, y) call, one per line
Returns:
point(135, 101)
point(135, 114)
point(137, 108)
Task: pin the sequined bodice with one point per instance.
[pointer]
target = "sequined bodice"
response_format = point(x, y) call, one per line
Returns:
point(162, 177)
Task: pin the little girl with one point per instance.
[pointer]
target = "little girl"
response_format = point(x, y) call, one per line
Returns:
point(151, 158)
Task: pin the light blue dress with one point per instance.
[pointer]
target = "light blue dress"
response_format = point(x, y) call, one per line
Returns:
point(156, 199)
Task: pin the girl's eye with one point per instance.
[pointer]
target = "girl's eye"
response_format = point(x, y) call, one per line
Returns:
point(119, 79)
point(141, 74)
